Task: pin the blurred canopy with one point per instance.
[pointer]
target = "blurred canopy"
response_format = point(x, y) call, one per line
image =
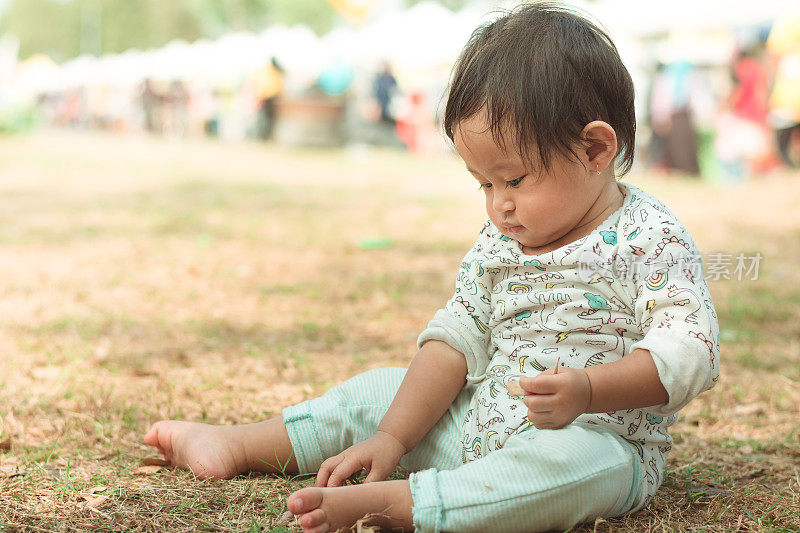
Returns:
point(64, 29)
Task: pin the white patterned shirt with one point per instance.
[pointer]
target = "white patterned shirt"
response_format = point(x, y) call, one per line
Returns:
point(635, 282)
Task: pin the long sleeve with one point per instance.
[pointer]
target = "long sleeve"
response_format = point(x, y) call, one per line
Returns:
point(673, 307)
point(463, 323)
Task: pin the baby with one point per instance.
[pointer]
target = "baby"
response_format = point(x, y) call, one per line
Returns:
point(543, 391)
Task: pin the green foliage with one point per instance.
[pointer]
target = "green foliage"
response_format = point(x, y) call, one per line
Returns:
point(452, 5)
point(317, 15)
point(218, 16)
point(45, 26)
point(64, 29)
point(17, 119)
point(146, 24)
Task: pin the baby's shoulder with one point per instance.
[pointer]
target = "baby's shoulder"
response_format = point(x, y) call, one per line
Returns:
point(646, 225)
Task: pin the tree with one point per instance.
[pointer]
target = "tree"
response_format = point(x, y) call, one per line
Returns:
point(66, 28)
point(218, 16)
point(452, 5)
point(44, 26)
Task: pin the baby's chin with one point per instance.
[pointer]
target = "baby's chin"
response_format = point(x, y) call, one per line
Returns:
point(524, 237)
point(535, 246)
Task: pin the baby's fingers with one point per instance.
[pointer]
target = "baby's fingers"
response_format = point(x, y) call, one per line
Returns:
point(325, 470)
point(544, 383)
point(345, 469)
point(379, 471)
point(544, 421)
point(540, 403)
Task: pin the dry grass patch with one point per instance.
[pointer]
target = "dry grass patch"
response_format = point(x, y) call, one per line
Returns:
point(145, 279)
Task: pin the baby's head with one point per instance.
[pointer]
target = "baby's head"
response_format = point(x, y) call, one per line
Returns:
point(541, 94)
point(543, 72)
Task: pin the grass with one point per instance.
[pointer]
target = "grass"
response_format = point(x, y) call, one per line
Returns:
point(145, 279)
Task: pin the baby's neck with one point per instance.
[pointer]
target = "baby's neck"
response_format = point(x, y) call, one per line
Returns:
point(608, 202)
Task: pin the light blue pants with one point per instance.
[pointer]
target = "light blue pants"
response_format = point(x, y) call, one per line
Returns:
point(539, 481)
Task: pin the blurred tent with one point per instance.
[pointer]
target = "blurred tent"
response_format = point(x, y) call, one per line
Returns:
point(649, 18)
point(35, 74)
point(422, 37)
point(417, 41)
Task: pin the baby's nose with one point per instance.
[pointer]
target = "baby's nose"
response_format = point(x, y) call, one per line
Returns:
point(502, 203)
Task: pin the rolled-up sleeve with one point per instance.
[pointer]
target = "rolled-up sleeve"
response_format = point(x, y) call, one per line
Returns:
point(674, 310)
point(463, 323)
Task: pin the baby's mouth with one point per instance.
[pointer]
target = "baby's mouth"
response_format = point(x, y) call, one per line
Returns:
point(513, 229)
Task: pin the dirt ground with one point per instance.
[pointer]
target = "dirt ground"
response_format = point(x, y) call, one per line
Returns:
point(143, 279)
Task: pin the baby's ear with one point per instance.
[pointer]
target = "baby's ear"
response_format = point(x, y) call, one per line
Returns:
point(601, 145)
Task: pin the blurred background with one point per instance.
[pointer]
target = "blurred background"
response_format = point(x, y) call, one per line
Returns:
point(718, 82)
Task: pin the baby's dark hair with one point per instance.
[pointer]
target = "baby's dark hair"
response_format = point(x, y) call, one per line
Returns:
point(543, 71)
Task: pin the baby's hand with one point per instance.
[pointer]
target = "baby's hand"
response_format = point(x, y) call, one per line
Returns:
point(555, 399)
point(378, 455)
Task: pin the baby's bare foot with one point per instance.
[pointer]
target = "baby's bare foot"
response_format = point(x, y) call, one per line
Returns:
point(327, 509)
point(208, 451)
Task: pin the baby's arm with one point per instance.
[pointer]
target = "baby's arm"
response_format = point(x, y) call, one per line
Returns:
point(453, 350)
point(678, 357)
point(556, 399)
point(433, 380)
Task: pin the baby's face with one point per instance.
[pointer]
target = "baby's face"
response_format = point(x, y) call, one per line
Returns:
point(535, 208)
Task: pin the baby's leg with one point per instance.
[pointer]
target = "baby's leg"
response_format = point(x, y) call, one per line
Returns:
point(350, 413)
point(224, 451)
point(344, 415)
point(306, 434)
point(541, 480)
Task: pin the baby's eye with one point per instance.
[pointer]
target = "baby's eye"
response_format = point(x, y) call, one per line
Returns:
point(484, 186)
point(515, 182)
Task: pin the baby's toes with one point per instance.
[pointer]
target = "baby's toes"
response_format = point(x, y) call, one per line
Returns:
point(151, 437)
point(160, 435)
point(324, 528)
point(314, 520)
point(304, 500)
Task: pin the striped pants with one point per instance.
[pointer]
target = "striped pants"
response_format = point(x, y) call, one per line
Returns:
point(539, 481)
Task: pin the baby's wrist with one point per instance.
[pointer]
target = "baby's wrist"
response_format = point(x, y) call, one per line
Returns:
point(394, 438)
point(588, 407)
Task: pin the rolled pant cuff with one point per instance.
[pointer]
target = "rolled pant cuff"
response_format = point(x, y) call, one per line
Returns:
point(304, 436)
point(427, 507)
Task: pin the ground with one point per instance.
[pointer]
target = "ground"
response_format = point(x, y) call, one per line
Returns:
point(145, 279)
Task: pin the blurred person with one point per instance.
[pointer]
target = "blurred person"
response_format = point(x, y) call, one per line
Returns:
point(750, 92)
point(206, 110)
point(656, 119)
point(508, 359)
point(741, 144)
point(384, 88)
point(268, 87)
point(150, 101)
point(176, 110)
point(415, 125)
point(783, 44)
point(73, 111)
point(671, 116)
